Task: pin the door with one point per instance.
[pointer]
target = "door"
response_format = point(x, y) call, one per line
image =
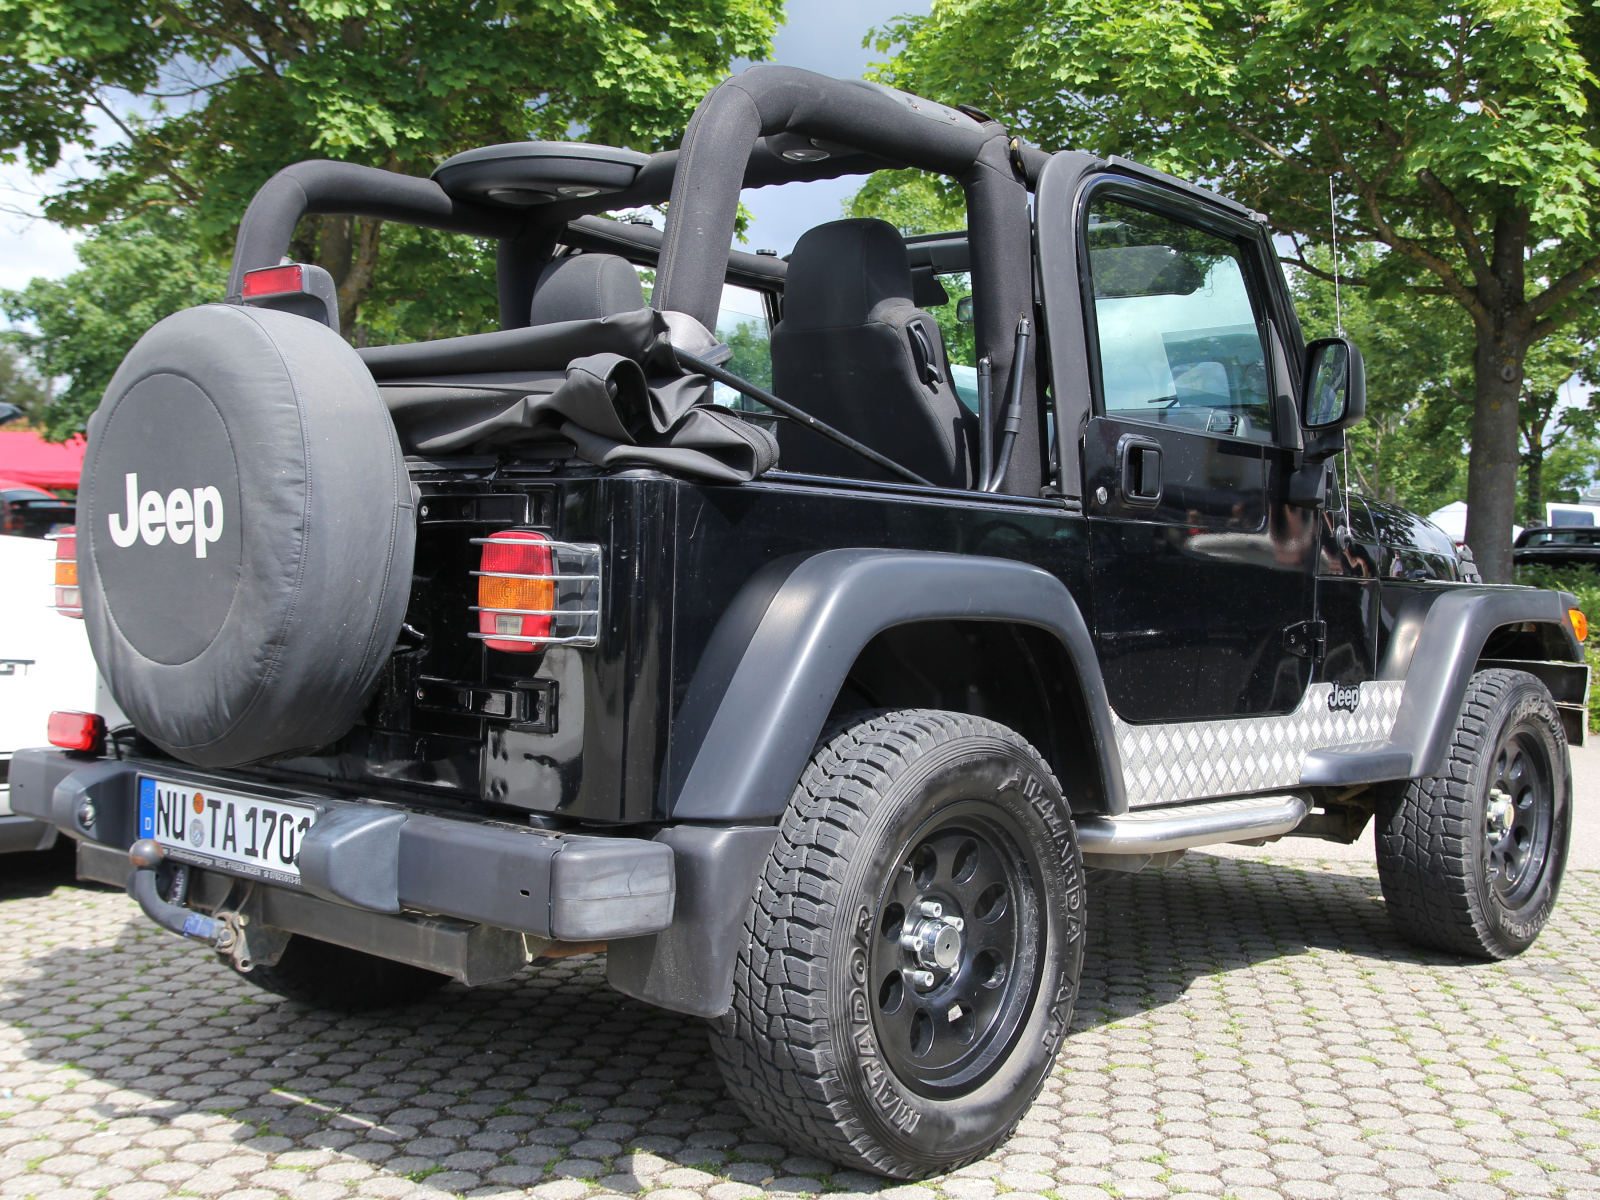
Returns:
point(1201, 575)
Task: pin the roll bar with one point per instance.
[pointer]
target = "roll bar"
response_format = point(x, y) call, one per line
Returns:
point(772, 102)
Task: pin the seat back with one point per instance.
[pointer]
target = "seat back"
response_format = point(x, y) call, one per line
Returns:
point(855, 352)
point(585, 287)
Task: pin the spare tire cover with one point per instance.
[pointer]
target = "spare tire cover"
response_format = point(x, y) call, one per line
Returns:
point(245, 535)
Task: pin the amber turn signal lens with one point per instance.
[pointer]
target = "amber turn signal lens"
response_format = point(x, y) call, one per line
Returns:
point(1580, 623)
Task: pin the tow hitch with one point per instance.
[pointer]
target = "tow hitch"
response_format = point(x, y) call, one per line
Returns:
point(223, 932)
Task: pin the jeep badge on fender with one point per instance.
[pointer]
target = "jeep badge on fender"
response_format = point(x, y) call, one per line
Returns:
point(180, 516)
point(1344, 696)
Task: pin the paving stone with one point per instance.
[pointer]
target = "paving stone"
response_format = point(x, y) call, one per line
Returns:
point(1245, 1029)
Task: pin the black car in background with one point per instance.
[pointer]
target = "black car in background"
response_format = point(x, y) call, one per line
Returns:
point(32, 512)
point(1558, 546)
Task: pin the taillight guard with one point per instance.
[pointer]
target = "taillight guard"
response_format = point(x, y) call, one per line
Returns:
point(69, 602)
point(568, 613)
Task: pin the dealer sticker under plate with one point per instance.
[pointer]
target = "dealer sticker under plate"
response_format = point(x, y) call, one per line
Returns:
point(243, 835)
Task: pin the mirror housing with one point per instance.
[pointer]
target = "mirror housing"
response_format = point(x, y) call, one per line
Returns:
point(964, 310)
point(1335, 385)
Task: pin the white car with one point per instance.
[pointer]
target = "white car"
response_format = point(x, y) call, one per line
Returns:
point(45, 666)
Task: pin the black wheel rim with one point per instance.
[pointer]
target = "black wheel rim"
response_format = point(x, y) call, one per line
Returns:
point(955, 949)
point(1519, 817)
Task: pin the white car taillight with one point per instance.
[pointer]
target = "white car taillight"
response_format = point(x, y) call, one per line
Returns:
point(534, 592)
point(68, 602)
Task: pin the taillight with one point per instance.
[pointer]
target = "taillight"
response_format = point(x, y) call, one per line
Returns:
point(78, 731)
point(516, 589)
point(534, 592)
point(272, 281)
point(68, 602)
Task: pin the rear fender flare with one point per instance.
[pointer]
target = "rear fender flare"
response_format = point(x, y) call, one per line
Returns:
point(769, 676)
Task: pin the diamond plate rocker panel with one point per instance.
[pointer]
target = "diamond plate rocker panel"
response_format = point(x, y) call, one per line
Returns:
point(1193, 760)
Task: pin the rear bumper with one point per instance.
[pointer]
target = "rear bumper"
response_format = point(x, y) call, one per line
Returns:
point(19, 833)
point(385, 859)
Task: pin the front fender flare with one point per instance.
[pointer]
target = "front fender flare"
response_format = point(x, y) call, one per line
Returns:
point(1435, 645)
point(769, 676)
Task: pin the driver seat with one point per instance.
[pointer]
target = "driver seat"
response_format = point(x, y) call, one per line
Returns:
point(855, 352)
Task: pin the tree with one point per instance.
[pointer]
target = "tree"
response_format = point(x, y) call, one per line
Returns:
point(1461, 136)
point(233, 90)
point(1553, 435)
point(19, 386)
point(134, 272)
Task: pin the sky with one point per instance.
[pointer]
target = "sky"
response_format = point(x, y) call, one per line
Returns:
point(821, 35)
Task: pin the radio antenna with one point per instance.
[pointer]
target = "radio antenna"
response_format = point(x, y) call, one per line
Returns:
point(1333, 222)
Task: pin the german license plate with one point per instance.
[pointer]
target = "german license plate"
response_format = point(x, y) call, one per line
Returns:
point(243, 835)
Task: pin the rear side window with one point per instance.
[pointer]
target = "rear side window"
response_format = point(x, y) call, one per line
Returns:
point(1178, 336)
point(742, 325)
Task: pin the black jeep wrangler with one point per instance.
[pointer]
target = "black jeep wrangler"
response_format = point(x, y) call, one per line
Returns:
point(745, 634)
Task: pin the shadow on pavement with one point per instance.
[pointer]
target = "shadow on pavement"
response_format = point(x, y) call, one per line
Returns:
point(39, 872)
point(550, 1075)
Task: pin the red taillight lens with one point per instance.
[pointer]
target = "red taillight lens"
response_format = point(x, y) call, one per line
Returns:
point(272, 281)
point(516, 594)
point(78, 731)
point(68, 602)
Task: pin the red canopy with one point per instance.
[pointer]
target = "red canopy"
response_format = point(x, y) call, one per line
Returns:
point(28, 458)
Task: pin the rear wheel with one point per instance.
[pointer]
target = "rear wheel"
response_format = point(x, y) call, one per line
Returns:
point(332, 976)
point(1471, 859)
point(914, 950)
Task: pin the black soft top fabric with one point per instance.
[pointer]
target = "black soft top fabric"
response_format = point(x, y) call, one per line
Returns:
point(610, 386)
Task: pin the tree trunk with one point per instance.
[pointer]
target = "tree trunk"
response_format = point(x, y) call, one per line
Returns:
point(1534, 458)
point(1496, 438)
point(349, 252)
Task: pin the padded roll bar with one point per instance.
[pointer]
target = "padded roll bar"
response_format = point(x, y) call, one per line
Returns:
point(323, 186)
point(768, 100)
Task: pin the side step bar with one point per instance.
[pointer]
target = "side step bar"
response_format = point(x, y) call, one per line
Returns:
point(1141, 838)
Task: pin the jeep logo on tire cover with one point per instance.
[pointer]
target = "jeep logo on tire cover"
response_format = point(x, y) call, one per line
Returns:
point(181, 515)
point(162, 514)
point(1344, 697)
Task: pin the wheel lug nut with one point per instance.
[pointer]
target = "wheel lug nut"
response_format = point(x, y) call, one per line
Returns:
point(955, 923)
point(918, 979)
point(931, 908)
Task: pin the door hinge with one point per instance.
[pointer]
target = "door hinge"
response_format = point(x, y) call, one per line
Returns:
point(1306, 639)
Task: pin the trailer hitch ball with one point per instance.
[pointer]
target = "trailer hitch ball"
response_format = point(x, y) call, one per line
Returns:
point(146, 852)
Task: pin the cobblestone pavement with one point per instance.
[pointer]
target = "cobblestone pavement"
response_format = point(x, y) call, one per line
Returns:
point(1248, 1029)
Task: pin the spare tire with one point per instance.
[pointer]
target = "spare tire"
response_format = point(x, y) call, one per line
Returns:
point(245, 535)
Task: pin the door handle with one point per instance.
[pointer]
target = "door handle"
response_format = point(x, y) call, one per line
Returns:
point(1141, 470)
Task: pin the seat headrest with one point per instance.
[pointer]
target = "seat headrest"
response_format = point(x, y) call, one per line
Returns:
point(585, 287)
point(841, 271)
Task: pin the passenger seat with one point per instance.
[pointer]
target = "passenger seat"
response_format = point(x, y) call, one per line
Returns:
point(855, 352)
point(585, 287)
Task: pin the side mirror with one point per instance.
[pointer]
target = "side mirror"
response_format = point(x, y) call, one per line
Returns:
point(964, 310)
point(1336, 385)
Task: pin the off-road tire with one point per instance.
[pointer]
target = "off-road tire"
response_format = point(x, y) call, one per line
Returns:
point(1435, 857)
point(332, 976)
point(804, 1048)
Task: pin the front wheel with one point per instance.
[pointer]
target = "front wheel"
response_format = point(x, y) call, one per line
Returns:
point(914, 950)
point(1471, 859)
